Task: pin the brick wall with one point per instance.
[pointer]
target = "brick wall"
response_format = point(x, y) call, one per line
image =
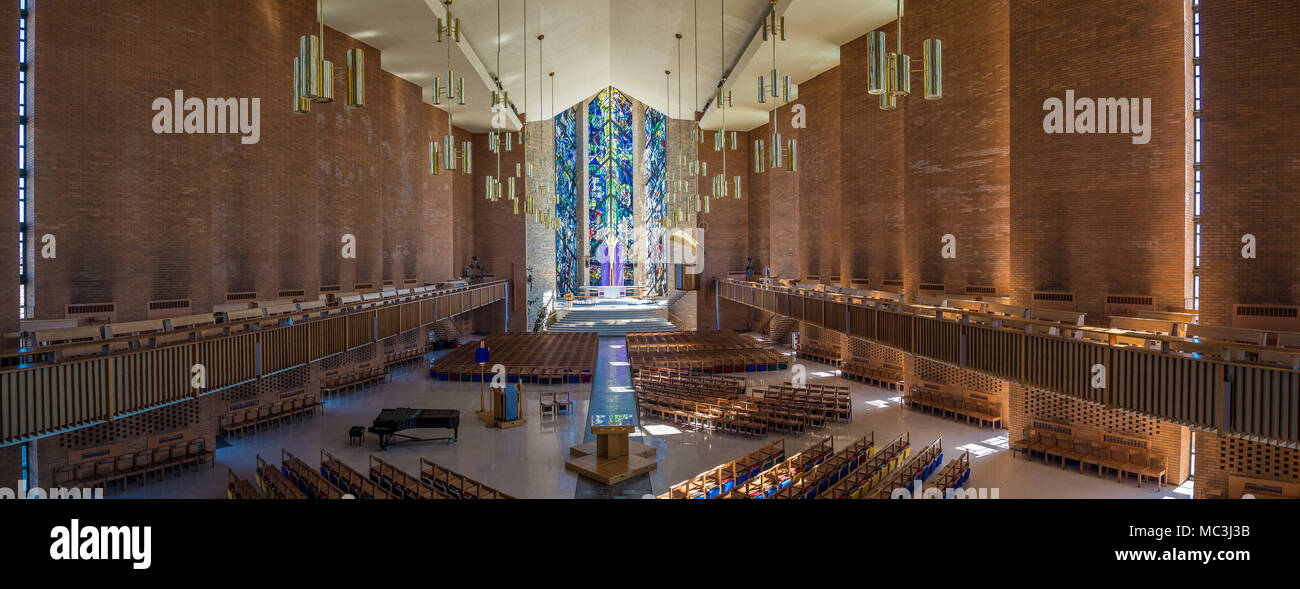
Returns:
point(726, 233)
point(9, 177)
point(1217, 457)
point(141, 216)
point(500, 236)
point(1250, 172)
point(871, 175)
point(1096, 214)
point(819, 144)
point(956, 152)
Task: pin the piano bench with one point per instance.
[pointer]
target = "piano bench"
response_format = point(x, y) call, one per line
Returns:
point(357, 434)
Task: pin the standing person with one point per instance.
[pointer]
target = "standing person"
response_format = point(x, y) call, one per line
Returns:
point(749, 269)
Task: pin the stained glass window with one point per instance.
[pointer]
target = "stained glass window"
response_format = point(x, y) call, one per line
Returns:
point(566, 203)
point(609, 200)
point(656, 150)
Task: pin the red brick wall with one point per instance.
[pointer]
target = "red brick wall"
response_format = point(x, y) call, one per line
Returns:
point(871, 192)
point(956, 149)
point(1250, 170)
point(141, 216)
point(9, 175)
point(726, 237)
point(499, 236)
point(819, 146)
point(1096, 214)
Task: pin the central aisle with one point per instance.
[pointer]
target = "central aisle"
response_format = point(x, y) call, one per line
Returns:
point(611, 394)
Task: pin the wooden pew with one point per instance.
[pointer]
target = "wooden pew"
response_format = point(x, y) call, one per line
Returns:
point(307, 479)
point(455, 485)
point(772, 479)
point(399, 483)
point(349, 480)
point(237, 488)
point(871, 471)
point(918, 467)
point(274, 484)
point(720, 480)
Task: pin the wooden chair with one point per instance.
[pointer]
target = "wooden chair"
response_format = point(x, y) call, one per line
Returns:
point(1079, 451)
point(1064, 447)
point(123, 467)
point(1024, 444)
point(563, 404)
point(1154, 470)
point(1137, 461)
point(546, 402)
point(1097, 454)
point(1118, 457)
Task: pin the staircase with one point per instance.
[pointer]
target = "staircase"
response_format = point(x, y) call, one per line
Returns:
point(614, 319)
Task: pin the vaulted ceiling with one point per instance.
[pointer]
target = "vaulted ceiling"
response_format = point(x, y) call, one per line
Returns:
point(591, 44)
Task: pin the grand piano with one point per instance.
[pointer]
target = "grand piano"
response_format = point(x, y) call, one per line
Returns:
point(392, 421)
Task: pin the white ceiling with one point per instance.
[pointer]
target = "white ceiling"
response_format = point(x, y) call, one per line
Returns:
point(591, 44)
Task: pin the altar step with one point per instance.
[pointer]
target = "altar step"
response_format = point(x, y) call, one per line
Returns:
point(615, 320)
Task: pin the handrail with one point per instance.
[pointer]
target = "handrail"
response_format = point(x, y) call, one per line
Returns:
point(52, 398)
point(1200, 390)
point(31, 352)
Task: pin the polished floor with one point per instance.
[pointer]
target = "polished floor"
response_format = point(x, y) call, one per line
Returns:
point(528, 461)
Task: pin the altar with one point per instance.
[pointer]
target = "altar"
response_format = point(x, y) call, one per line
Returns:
point(612, 292)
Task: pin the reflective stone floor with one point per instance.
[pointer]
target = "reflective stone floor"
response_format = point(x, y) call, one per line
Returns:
point(528, 461)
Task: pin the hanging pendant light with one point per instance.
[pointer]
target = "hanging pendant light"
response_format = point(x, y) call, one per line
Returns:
point(889, 74)
point(314, 75)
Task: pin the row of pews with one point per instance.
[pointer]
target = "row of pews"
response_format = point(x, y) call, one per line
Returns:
point(911, 475)
point(820, 352)
point(835, 402)
point(701, 352)
point(682, 401)
point(956, 402)
point(244, 416)
point(1123, 454)
point(721, 479)
point(293, 478)
point(538, 358)
point(772, 480)
point(886, 375)
point(351, 377)
point(104, 466)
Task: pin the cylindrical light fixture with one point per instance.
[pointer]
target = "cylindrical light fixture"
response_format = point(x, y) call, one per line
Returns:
point(301, 105)
point(433, 158)
point(792, 158)
point(437, 91)
point(902, 74)
point(326, 82)
point(762, 91)
point(309, 66)
point(449, 153)
point(356, 78)
point(933, 69)
point(877, 65)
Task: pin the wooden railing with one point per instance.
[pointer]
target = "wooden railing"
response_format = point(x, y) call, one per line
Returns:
point(1201, 390)
point(38, 400)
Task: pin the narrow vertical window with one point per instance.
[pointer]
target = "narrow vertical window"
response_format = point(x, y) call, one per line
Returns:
point(1196, 85)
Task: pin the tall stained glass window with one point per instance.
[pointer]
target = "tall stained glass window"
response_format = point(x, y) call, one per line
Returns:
point(609, 199)
point(566, 203)
point(656, 150)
